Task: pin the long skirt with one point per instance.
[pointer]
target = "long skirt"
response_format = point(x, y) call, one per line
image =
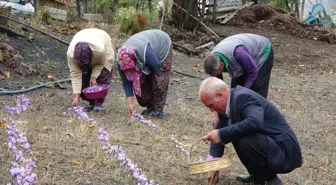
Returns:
point(154, 90)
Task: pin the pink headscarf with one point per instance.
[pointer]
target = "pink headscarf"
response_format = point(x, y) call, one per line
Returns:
point(128, 65)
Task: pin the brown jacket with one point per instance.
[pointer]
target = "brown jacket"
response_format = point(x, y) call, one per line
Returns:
point(103, 54)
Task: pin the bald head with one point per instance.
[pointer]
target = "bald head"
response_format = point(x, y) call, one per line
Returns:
point(211, 85)
point(214, 93)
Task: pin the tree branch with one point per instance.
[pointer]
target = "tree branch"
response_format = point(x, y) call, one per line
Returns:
point(197, 20)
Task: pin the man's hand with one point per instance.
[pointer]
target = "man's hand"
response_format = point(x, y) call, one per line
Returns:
point(76, 100)
point(213, 177)
point(212, 137)
point(93, 81)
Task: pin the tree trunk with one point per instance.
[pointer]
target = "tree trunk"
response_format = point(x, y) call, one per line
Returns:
point(296, 5)
point(179, 16)
point(94, 6)
point(287, 5)
point(214, 11)
point(137, 5)
point(78, 9)
point(150, 5)
point(189, 10)
point(302, 8)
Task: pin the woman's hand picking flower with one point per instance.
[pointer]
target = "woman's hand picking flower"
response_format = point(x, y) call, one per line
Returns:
point(93, 81)
point(130, 108)
point(76, 100)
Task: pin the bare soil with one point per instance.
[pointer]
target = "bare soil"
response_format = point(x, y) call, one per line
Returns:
point(303, 87)
point(271, 17)
point(36, 56)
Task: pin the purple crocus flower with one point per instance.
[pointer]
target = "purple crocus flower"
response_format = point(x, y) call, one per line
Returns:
point(144, 121)
point(22, 104)
point(119, 153)
point(81, 114)
point(179, 146)
point(21, 168)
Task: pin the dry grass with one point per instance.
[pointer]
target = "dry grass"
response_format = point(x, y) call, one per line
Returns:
point(68, 152)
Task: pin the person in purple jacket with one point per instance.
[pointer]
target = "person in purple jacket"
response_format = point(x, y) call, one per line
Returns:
point(247, 58)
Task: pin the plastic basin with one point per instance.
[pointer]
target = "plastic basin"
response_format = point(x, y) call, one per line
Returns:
point(96, 92)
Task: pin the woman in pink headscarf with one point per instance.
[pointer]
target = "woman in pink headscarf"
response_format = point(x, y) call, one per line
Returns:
point(90, 58)
point(144, 64)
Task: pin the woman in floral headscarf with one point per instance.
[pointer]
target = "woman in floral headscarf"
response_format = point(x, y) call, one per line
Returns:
point(144, 64)
point(90, 59)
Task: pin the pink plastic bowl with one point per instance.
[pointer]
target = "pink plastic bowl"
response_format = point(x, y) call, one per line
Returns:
point(97, 94)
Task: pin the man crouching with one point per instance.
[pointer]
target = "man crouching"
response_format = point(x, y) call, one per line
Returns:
point(262, 138)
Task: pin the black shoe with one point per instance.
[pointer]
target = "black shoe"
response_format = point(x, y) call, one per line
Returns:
point(148, 110)
point(244, 178)
point(156, 114)
point(275, 181)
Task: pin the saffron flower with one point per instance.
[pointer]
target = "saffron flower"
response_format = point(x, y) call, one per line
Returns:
point(180, 147)
point(22, 104)
point(94, 88)
point(21, 168)
point(144, 121)
point(118, 153)
point(80, 113)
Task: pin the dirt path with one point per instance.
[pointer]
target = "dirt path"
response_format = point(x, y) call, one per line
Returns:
point(303, 87)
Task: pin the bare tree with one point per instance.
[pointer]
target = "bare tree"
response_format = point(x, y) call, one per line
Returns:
point(302, 8)
point(214, 11)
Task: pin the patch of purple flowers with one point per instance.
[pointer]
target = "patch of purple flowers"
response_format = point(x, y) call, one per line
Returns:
point(179, 146)
point(22, 104)
point(21, 168)
point(93, 88)
point(119, 153)
point(144, 121)
point(208, 158)
point(80, 113)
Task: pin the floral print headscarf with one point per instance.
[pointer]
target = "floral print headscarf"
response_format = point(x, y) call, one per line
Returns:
point(82, 53)
point(128, 65)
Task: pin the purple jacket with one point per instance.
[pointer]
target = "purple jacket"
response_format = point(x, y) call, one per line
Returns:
point(250, 67)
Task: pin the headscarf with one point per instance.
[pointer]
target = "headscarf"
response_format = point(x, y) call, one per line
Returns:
point(128, 65)
point(82, 53)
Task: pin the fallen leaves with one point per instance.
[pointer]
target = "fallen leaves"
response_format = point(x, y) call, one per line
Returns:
point(323, 169)
point(323, 132)
point(63, 31)
point(52, 77)
point(46, 94)
point(5, 74)
point(74, 162)
point(92, 128)
point(71, 135)
point(2, 124)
